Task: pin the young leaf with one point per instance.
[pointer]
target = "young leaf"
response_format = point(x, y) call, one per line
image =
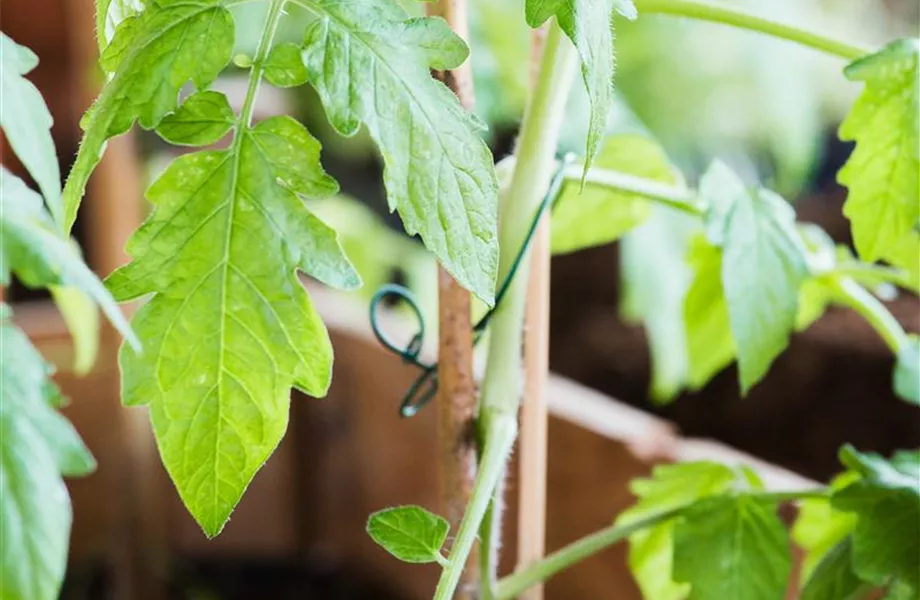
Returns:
point(763, 266)
point(907, 371)
point(168, 44)
point(833, 577)
point(589, 24)
point(203, 119)
point(37, 446)
point(883, 173)
point(732, 547)
point(710, 347)
point(284, 66)
point(32, 248)
point(671, 486)
point(410, 533)
point(370, 63)
point(886, 500)
point(26, 121)
point(82, 319)
point(599, 215)
point(229, 329)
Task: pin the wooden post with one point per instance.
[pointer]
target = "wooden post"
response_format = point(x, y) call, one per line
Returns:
point(456, 403)
point(531, 543)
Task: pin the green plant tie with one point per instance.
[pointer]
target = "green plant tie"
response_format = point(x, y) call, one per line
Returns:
point(425, 386)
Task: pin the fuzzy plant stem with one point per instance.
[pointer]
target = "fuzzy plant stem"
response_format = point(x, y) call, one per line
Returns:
point(728, 15)
point(502, 383)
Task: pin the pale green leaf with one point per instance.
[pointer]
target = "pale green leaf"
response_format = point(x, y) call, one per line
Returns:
point(907, 371)
point(410, 533)
point(229, 329)
point(170, 43)
point(284, 66)
point(886, 500)
point(710, 347)
point(37, 445)
point(671, 486)
point(82, 319)
point(33, 249)
point(819, 527)
point(370, 63)
point(763, 266)
point(110, 14)
point(732, 547)
point(589, 25)
point(26, 121)
point(833, 577)
point(883, 173)
point(597, 215)
point(203, 119)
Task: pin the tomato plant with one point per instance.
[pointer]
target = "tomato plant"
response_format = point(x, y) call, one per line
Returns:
point(227, 329)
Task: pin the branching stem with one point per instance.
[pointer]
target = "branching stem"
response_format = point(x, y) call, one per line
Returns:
point(675, 197)
point(727, 15)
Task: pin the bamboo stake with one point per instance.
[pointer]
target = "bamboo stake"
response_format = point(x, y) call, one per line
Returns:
point(456, 389)
point(531, 542)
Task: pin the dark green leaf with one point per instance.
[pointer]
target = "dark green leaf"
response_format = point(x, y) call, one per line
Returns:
point(370, 63)
point(589, 24)
point(907, 371)
point(27, 122)
point(229, 328)
point(170, 43)
point(37, 445)
point(883, 173)
point(833, 577)
point(204, 118)
point(819, 526)
point(599, 215)
point(284, 66)
point(410, 533)
point(732, 547)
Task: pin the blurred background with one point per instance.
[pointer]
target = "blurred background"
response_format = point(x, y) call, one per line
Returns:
point(769, 108)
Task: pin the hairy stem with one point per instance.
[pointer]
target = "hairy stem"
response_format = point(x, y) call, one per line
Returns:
point(858, 298)
point(727, 15)
point(675, 197)
point(502, 383)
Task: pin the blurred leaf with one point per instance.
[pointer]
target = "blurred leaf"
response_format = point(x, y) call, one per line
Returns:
point(819, 526)
point(201, 120)
point(883, 173)
point(907, 371)
point(82, 319)
point(410, 533)
point(833, 577)
point(598, 215)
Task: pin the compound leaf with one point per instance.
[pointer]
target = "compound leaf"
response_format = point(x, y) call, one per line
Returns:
point(370, 63)
point(410, 533)
point(229, 329)
point(883, 173)
point(732, 547)
point(597, 215)
point(589, 24)
point(37, 446)
point(166, 45)
point(26, 121)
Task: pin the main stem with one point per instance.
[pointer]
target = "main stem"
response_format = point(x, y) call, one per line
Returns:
point(502, 384)
point(703, 11)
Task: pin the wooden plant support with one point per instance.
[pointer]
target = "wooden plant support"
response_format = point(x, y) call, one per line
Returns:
point(532, 438)
point(456, 402)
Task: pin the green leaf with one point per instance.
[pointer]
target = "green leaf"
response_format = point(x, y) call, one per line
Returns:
point(168, 44)
point(907, 371)
point(229, 329)
point(110, 14)
point(819, 527)
point(655, 279)
point(589, 24)
point(410, 533)
point(370, 63)
point(203, 119)
point(597, 215)
point(26, 121)
point(883, 173)
point(33, 249)
point(37, 445)
point(284, 66)
point(82, 319)
point(886, 500)
point(732, 547)
point(763, 266)
point(833, 577)
point(671, 486)
point(710, 347)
